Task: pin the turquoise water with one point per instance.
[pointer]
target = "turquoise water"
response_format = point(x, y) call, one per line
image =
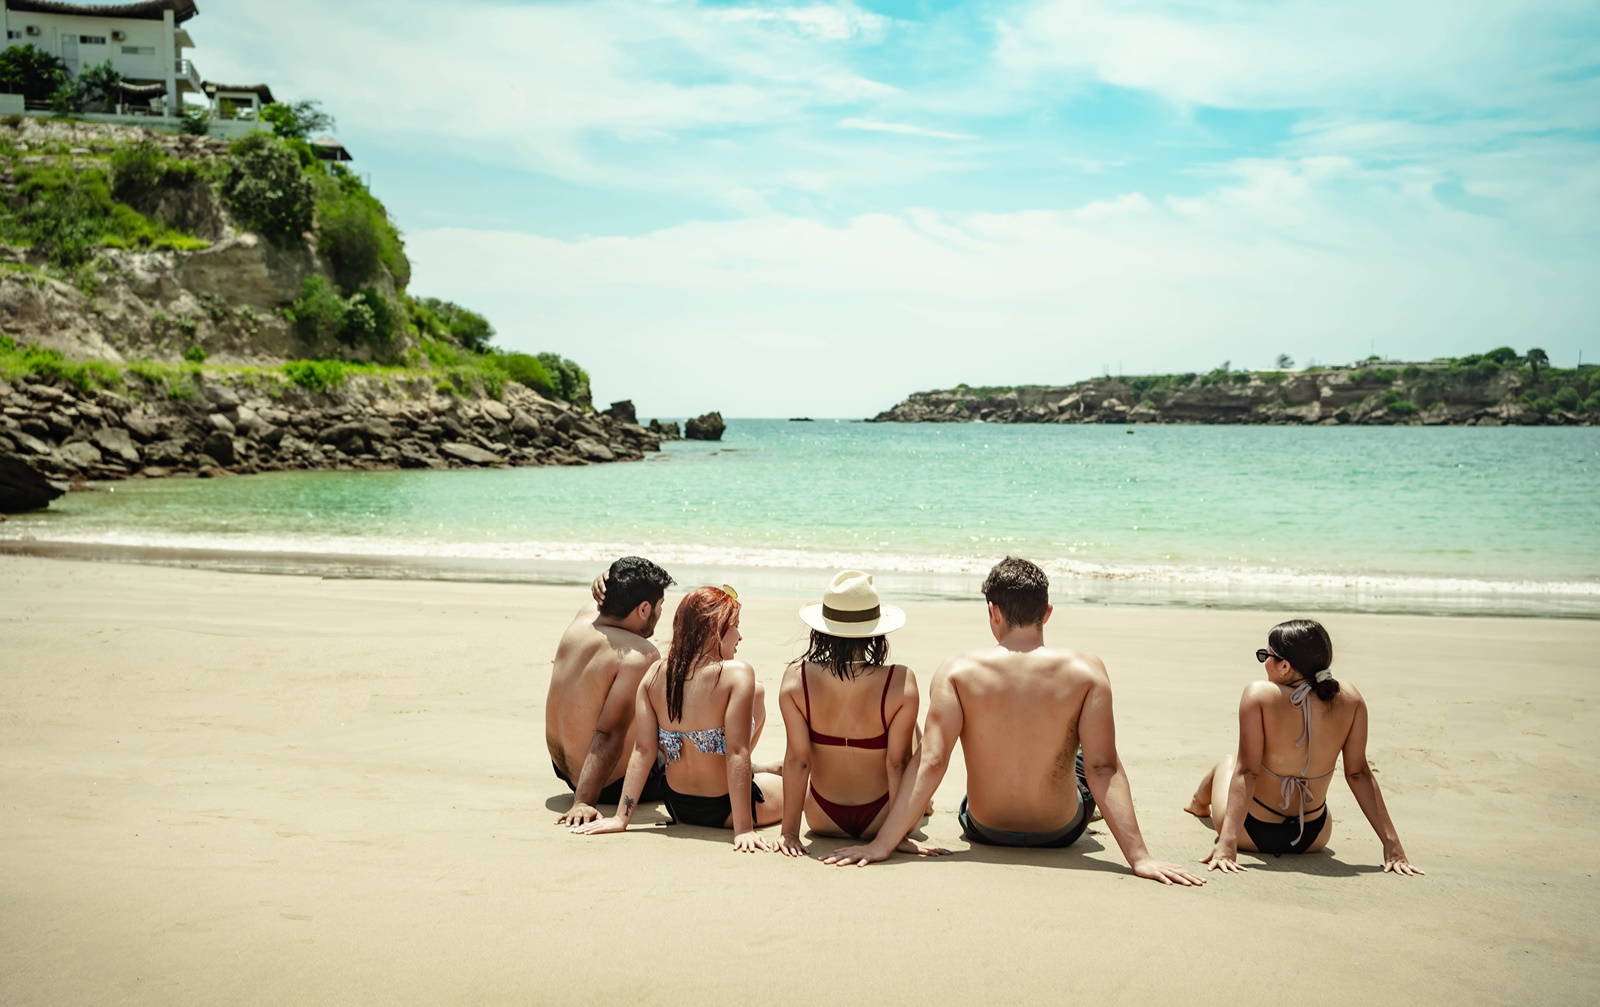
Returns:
point(1385, 519)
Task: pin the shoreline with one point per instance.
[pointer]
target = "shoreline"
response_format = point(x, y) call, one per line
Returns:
point(1242, 591)
point(237, 788)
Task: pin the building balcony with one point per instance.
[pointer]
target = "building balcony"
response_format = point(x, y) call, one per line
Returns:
point(187, 74)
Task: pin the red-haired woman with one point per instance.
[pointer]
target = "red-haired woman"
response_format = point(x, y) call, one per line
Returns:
point(704, 711)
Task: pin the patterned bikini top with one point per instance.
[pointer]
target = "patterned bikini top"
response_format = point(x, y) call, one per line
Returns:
point(709, 742)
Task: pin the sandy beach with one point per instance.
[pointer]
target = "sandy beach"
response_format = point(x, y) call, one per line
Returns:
point(234, 789)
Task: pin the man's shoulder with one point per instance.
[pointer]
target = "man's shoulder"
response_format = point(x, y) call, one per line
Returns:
point(626, 642)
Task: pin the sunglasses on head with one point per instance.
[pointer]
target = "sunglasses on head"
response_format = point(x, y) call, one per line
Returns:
point(1263, 654)
point(730, 592)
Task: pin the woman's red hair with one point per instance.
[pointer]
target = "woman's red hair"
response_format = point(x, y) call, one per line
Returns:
point(703, 616)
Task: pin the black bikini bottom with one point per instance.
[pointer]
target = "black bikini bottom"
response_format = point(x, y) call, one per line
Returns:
point(1278, 837)
point(709, 812)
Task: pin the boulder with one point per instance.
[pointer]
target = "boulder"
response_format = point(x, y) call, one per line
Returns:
point(116, 442)
point(219, 446)
point(167, 453)
point(146, 428)
point(470, 454)
point(496, 411)
point(22, 487)
point(705, 428)
point(79, 454)
point(623, 412)
point(524, 424)
point(666, 431)
point(593, 450)
point(222, 424)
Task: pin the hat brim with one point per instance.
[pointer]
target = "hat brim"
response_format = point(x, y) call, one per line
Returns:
point(889, 619)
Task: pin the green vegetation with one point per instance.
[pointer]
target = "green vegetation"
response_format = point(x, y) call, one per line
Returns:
point(69, 214)
point(316, 375)
point(438, 319)
point(267, 189)
point(32, 73)
point(354, 232)
point(143, 169)
point(296, 120)
point(18, 361)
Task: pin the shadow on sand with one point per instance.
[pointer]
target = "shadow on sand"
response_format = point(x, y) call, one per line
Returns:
point(1321, 864)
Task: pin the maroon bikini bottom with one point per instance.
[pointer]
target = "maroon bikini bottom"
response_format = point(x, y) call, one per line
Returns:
point(854, 819)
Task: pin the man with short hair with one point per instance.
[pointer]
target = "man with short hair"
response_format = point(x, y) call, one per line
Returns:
point(602, 657)
point(1021, 712)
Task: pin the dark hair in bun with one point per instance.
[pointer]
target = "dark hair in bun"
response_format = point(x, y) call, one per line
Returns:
point(1308, 649)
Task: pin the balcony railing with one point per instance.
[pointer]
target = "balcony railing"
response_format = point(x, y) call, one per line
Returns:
point(186, 71)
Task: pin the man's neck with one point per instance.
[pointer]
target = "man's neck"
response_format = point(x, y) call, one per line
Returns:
point(1022, 639)
point(614, 623)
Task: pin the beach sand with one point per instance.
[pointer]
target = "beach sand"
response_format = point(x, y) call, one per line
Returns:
point(229, 789)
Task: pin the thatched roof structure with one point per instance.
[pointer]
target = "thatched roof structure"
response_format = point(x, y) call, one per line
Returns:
point(144, 10)
point(329, 149)
point(261, 91)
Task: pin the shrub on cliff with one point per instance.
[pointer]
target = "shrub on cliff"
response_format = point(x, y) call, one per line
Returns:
point(529, 372)
point(567, 379)
point(315, 375)
point(296, 120)
point(354, 233)
point(321, 315)
point(446, 319)
point(266, 188)
point(142, 169)
point(67, 215)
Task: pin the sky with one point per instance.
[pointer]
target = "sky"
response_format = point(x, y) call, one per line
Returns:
point(815, 208)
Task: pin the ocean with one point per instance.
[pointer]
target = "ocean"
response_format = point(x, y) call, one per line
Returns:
point(1404, 519)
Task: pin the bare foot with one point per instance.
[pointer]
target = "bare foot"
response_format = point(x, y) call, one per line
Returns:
point(1198, 810)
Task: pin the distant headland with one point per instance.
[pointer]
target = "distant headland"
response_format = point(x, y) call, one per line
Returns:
point(1498, 388)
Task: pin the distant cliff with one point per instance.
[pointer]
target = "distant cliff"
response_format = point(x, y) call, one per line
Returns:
point(1495, 389)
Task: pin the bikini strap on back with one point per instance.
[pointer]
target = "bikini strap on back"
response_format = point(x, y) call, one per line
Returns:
point(883, 700)
point(806, 689)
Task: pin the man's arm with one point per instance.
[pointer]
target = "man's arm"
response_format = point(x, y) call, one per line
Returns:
point(609, 738)
point(1108, 781)
point(945, 721)
point(645, 745)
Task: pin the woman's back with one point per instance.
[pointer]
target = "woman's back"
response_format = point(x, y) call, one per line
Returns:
point(694, 745)
point(848, 723)
point(1283, 724)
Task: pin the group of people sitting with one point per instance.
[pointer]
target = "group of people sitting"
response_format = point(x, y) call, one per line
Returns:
point(625, 724)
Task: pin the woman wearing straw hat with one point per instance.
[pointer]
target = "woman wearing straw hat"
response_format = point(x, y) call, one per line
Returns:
point(850, 716)
point(702, 710)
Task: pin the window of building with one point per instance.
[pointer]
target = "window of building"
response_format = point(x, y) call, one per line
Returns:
point(13, 34)
point(92, 39)
point(138, 50)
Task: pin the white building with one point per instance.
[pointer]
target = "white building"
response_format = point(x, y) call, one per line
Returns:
point(144, 41)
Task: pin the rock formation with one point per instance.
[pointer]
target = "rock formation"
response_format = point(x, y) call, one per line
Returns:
point(1360, 395)
point(22, 488)
point(704, 428)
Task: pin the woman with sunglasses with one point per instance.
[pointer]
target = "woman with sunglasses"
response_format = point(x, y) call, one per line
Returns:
point(1293, 728)
point(704, 711)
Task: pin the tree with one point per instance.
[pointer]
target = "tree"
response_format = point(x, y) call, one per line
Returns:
point(1285, 362)
point(1537, 358)
point(265, 189)
point(32, 73)
point(296, 120)
point(100, 84)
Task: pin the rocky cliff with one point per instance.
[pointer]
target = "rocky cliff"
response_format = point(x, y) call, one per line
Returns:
point(150, 326)
point(1467, 392)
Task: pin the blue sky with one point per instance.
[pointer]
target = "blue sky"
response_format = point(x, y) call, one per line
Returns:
point(815, 208)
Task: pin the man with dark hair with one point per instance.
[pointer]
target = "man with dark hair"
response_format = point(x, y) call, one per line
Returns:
point(1021, 712)
point(602, 657)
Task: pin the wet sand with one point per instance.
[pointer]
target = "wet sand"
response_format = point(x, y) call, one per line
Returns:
point(228, 788)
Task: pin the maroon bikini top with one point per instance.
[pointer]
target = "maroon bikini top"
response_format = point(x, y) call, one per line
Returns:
point(818, 738)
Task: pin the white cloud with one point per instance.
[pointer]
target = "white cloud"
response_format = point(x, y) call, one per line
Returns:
point(836, 22)
point(872, 125)
point(1309, 53)
point(776, 315)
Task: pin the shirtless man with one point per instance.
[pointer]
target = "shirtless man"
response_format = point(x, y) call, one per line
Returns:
point(602, 657)
point(1021, 712)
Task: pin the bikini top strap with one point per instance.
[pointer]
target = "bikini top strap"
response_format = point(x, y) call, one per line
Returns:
point(888, 680)
point(1298, 698)
point(806, 689)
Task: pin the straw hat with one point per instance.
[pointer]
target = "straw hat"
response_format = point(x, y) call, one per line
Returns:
point(850, 608)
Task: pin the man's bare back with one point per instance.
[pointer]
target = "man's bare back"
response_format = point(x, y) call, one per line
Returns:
point(587, 664)
point(1020, 733)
